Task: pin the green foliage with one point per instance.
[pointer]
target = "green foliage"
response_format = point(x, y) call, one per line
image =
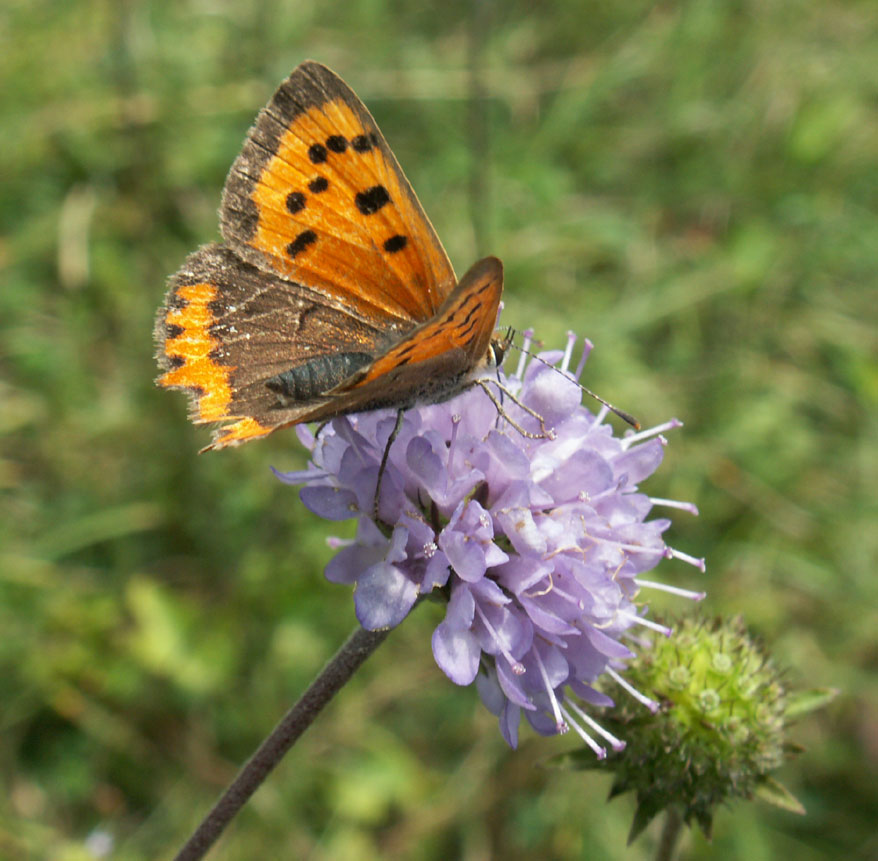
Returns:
point(692, 185)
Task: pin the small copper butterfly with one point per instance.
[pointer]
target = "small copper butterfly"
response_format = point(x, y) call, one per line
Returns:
point(331, 292)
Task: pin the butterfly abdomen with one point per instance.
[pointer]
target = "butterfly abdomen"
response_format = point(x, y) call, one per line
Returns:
point(314, 378)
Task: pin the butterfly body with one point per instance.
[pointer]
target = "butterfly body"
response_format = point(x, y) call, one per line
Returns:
point(312, 378)
point(332, 293)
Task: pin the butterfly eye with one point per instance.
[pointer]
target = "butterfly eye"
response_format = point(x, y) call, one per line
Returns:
point(497, 352)
point(500, 347)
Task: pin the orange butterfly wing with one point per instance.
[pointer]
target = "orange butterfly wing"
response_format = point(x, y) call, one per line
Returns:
point(317, 196)
point(464, 324)
point(333, 293)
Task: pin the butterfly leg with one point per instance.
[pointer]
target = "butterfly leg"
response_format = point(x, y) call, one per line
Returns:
point(500, 387)
point(390, 440)
point(545, 433)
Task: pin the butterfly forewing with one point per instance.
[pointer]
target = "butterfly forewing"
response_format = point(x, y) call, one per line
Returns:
point(317, 196)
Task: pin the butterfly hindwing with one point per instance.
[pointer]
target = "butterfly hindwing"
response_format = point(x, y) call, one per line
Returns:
point(227, 329)
point(316, 196)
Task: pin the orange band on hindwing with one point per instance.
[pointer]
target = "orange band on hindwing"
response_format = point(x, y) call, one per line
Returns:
point(200, 374)
point(194, 345)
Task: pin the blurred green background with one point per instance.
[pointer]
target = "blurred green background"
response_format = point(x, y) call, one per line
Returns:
point(693, 185)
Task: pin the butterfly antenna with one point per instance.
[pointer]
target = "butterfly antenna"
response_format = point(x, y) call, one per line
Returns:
point(626, 417)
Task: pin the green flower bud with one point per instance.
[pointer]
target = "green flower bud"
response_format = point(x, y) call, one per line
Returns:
point(719, 731)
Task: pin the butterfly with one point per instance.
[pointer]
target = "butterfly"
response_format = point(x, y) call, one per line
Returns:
point(331, 293)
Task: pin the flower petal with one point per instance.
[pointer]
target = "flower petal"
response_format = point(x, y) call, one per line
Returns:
point(384, 596)
point(333, 503)
point(466, 556)
point(457, 653)
point(639, 461)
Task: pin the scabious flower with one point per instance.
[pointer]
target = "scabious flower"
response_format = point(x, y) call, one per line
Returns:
point(535, 535)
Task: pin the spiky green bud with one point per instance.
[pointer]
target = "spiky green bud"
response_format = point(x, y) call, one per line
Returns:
point(719, 731)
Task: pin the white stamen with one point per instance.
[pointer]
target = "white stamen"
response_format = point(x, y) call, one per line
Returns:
point(568, 351)
point(670, 553)
point(647, 623)
point(527, 337)
point(652, 705)
point(675, 503)
point(629, 439)
point(673, 590)
point(631, 548)
point(517, 667)
point(600, 752)
point(560, 725)
point(586, 350)
point(616, 743)
point(455, 424)
point(599, 418)
point(333, 542)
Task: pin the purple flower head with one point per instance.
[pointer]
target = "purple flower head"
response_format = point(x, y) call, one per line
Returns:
point(537, 540)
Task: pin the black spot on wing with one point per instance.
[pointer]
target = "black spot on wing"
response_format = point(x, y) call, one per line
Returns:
point(318, 185)
point(295, 202)
point(361, 144)
point(468, 316)
point(395, 243)
point(364, 143)
point(466, 329)
point(301, 242)
point(372, 199)
point(336, 143)
point(317, 153)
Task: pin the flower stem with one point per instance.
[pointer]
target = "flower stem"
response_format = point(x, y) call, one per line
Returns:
point(334, 675)
point(670, 834)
